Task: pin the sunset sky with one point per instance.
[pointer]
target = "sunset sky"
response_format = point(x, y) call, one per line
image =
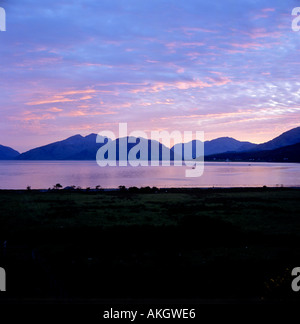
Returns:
point(225, 67)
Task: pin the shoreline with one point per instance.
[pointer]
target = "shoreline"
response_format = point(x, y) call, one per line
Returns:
point(155, 189)
point(171, 161)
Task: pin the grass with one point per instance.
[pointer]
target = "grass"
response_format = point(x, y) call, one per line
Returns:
point(183, 243)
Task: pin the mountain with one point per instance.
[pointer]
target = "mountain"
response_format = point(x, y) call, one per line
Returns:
point(85, 148)
point(289, 153)
point(7, 153)
point(219, 145)
point(288, 138)
point(140, 143)
point(63, 150)
point(225, 144)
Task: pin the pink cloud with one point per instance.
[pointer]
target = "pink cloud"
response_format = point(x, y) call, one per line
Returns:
point(38, 117)
point(268, 9)
point(247, 45)
point(61, 97)
point(174, 45)
point(192, 30)
point(264, 13)
point(55, 99)
point(182, 85)
point(86, 97)
point(81, 113)
point(180, 70)
point(54, 109)
point(74, 92)
point(262, 33)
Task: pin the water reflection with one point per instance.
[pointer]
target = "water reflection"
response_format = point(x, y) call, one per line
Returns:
point(45, 174)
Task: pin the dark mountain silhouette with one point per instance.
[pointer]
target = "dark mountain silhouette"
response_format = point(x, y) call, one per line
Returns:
point(7, 153)
point(224, 144)
point(62, 150)
point(228, 144)
point(290, 153)
point(287, 138)
point(219, 145)
point(85, 148)
point(90, 154)
point(283, 148)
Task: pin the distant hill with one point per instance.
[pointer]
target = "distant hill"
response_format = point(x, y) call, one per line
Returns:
point(85, 148)
point(228, 144)
point(287, 138)
point(90, 153)
point(7, 153)
point(220, 145)
point(63, 150)
point(289, 153)
point(224, 144)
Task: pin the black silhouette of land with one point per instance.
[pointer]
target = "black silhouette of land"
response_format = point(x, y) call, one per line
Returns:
point(226, 244)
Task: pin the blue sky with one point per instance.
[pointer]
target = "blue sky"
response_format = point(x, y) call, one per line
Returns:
point(228, 68)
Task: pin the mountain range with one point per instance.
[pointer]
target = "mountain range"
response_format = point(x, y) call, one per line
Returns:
point(219, 145)
point(83, 148)
point(289, 153)
point(282, 148)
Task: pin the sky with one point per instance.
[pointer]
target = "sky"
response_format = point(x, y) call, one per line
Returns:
point(224, 67)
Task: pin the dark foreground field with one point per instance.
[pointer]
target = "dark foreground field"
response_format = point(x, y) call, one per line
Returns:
point(225, 244)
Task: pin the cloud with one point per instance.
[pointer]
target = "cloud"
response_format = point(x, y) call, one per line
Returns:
point(182, 85)
point(268, 10)
point(54, 99)
point(61, 97)
point(263, 33)
point(71, 66)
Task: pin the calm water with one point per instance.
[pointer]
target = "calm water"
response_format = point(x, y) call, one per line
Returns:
point(45, 174)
